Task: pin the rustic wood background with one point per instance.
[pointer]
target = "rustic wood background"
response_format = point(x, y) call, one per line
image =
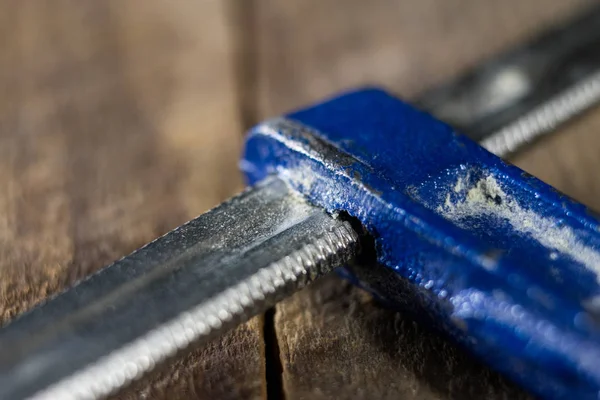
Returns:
point(121, 119)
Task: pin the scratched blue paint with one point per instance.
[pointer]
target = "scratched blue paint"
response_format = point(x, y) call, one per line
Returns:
point(504, 262)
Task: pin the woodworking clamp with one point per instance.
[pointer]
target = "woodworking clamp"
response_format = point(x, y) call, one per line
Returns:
point(400, 203)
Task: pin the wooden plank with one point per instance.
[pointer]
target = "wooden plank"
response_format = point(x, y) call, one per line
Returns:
point(336, 342)
point(310, 49)
point(118, 121)
point(333, 340)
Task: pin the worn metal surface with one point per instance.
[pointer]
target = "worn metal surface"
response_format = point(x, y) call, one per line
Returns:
point(499, 259)
point(198, 280)
point(518, 96)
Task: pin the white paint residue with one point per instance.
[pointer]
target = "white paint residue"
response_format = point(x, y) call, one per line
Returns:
point(488, 198)
point(301, 176)
point(459, 185)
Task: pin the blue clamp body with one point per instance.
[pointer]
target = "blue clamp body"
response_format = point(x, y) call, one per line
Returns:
point(503, 262)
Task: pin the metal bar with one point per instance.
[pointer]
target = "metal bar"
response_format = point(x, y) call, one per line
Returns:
point(191, 284)
point(516, 97)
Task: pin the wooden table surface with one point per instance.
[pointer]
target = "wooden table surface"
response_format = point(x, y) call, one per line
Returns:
point(122, 119)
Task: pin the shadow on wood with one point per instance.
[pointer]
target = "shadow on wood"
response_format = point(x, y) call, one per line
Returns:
point(336, 342)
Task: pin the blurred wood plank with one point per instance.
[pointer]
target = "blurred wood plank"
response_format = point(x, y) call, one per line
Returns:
point(334, 341)
point(118, 122)
point(310, 49)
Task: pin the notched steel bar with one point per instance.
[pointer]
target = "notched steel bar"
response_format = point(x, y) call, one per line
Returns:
point(195, 282)
point(525, 93)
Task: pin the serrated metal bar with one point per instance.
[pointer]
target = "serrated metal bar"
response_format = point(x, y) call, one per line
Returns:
point(546, 117)
point(184, 288)
point(529, 91)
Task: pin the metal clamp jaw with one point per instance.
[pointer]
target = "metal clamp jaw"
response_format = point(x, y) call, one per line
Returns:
point(503, 262)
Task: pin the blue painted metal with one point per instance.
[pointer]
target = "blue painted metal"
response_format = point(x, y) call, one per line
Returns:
point(504, 263)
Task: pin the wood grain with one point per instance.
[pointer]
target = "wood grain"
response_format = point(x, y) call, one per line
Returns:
point(310, 49)
point(118, 122)
point(334, 341)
